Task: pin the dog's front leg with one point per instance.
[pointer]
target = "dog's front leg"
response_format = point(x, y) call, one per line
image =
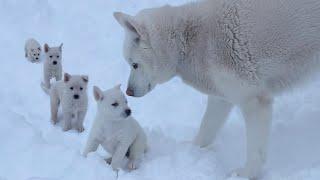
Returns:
point(214, 117)
point(67, 120)
point(79, 123)
point(119, 154)
point(258, 114)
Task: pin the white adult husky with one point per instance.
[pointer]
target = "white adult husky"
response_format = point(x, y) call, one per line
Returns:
point(238, 52)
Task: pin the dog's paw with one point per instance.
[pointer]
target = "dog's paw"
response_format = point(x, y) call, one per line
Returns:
point(80, 129)
point(54, 121)
point(108, 160)
point(244, 173)
point(132, 166)
point(66, 128)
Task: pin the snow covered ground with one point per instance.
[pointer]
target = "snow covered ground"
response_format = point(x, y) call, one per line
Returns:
point(32, 148)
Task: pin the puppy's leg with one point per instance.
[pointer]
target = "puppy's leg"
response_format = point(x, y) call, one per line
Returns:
point(257, 113)
point(46, 81)
point(119, 154)
point(136, 150)
point(54, 102)
point(59, 75)
point(67, 120)
point(214, 117)
point(79, 123)
point(92, 145)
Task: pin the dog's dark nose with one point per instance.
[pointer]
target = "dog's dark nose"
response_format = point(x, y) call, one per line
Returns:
point(130, 92)
point(37, 58)
point(76, 96)
point(128, 112)
point(54, 62)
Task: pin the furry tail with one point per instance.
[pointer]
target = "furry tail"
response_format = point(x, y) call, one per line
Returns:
point(45, 89)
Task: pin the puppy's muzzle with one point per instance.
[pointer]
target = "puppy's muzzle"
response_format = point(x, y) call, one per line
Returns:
point(54, 62)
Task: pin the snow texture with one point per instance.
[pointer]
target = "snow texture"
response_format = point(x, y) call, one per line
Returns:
point(33, 149)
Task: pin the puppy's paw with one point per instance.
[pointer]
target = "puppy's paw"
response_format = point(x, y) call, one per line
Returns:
point(132, 166)
point(66, 128)
point(244, 173)
point(54, 121)
point(108, 160)
point(80, 129)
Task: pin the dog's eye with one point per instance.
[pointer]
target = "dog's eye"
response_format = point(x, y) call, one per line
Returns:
point(58, 56)
point(38, 54)
point(34, 54)
point(135, 66)
point(71, 88)
point(50, 56)
point(115, 104)
point(81, 88)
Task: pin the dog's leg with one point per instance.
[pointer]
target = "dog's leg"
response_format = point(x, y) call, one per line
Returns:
point(136, 150)
point(214, 117)
point(91, 145)
point(46, 81)
point(54, 101)
point(258, 114)
point(79, 123)
point(67, 120)
point(119, 154)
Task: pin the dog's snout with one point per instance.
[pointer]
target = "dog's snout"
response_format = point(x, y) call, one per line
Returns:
point(54, 62)
point(76, 96)
point(128, 112)
point(130, 92)
point(37, 58)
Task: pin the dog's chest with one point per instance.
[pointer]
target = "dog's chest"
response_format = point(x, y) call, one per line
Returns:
point(111, 134)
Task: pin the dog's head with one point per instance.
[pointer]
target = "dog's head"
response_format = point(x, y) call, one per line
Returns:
point(53, 54)
point(148, 67)
point(35, 54)
point(112, 103)
point(76, 86)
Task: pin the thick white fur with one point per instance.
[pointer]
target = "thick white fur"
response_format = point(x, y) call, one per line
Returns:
point(32, 50)
point(238, 52)
point(74, 110)
point(52, 66)
point(116, 131)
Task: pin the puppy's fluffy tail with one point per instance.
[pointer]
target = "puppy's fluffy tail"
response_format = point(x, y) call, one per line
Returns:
point(45, 89)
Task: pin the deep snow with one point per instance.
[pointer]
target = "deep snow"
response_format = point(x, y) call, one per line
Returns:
point(32, 148)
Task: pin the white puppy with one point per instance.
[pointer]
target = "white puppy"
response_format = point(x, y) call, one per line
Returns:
point(71, 93)
point(116, 130)
point(32, 50)
point(52, 67)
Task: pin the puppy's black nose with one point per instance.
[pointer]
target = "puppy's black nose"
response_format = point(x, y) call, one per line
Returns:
point(37, 58)
point(130, 92)
point(128, 112)
point(54, 62)
point(76, 96)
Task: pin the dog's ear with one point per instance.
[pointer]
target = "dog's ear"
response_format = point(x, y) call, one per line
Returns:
point(67, 77)
point(129, 23)
point(118, 87)
point(60, 47)
point(46, 48)
point(97, 93)
point(85, 79)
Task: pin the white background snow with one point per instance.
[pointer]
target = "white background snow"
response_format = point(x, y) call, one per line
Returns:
point(32, 148)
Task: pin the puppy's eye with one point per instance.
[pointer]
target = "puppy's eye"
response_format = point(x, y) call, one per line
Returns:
point(135, 66)
point(115, 104)
point(81, 88)
point(50, 56)
point(58, 56)
point(71, 88)
point(38, 54)
point(34, 54)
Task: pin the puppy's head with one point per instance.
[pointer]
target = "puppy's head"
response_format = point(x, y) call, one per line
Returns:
point(53, 54)
point(112, 103)
point(76, 86)
point(35, 54)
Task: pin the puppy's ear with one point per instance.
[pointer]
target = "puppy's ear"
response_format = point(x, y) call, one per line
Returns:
point(46, 48)
point(129, 23)
point(97, 93)
point(67, 77)
point(60, 47)
point(85, 79)
point(118, 87)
